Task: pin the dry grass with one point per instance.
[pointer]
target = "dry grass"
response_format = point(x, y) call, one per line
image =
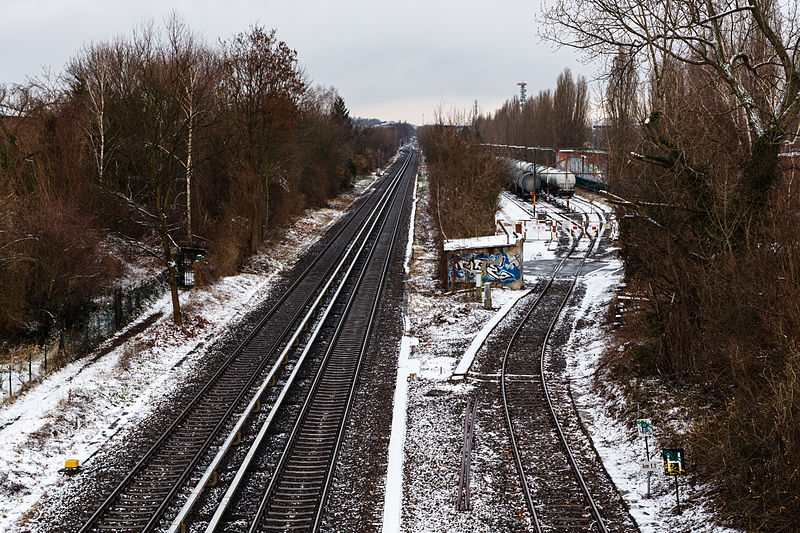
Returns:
point(18, 359)
point(62, 420)
point(20, 353)
point(130, 350)
point(29, 515)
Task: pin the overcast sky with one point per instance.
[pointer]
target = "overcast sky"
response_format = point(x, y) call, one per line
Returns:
point(388, 60)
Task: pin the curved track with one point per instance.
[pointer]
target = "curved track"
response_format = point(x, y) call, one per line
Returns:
point(555, 492)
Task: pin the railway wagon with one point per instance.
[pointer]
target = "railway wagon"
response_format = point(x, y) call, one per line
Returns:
point(556, 181)
point(524, 181)
point(525, 178)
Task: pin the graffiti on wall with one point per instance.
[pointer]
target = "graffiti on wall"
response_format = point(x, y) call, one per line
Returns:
point(499, 267)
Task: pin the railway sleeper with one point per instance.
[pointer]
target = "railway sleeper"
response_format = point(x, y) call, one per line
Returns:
point(318, 451)
point(128, 516)
point(291, 514)
point(156, 478)
point(316, 465)
point(142, 495)
point(567, 521)
point(293, 501)
point(119, 527)
point(168, 462)
point(193, 436)
point(298, 471)
point(293, 492)
point(300, 482)
point(281, 526)
point(331, 402)
point(178, 448)
point(282, 507)
point(321, 424)
point(333, 389)
point(307, 461)
point(322, 429)
point(315, 416)
point(311, 449)
point(314, 440)
point(578, 508)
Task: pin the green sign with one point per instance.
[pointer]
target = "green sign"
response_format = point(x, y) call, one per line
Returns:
point(644, 426)
point(673, 461)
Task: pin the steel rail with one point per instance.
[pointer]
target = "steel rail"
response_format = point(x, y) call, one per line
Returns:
point(187, 507)
point(194, 496)
point(551, 408)
point(343, 414)
point(470, 414)
point(367, 333)
point(216, 377)
point(504, 394)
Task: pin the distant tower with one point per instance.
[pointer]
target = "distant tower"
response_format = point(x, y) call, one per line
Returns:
point(522, 93)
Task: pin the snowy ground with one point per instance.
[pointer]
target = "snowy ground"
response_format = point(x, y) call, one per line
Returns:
point(616, 440)
point(74, 412)
point(445, 330)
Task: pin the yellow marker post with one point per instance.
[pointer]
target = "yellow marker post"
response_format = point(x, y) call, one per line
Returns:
point(71, 466)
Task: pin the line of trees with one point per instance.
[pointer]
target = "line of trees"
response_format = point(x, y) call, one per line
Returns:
point(155, 141)
point(558, 118)
point(464, 180)
point(701, 99)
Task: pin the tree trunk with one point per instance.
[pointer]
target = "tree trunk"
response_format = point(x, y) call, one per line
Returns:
point(173, 279)
point(762, 170)
point(189, 174)
point(266, 197)
point(176, 302)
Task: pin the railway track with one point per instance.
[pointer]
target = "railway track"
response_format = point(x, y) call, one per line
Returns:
point(554, 488)
point(470, 415)
point(190, 450)
point(287, 491)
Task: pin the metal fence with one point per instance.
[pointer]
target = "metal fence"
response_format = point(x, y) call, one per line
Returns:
point(113, 312)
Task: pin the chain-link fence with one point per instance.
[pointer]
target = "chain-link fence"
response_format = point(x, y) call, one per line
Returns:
point(113, 312)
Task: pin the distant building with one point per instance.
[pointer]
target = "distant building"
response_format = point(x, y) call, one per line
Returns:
point(591, 164)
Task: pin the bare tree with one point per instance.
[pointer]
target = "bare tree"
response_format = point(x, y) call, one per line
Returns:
point(261, 86)
point(751, 47)
point(622, 112)
point(194, 66)
point(557, 118)
point(571, 110)
point(153, 136)
point(90, 74)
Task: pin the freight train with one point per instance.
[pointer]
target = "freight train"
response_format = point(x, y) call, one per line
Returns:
point(528, 178)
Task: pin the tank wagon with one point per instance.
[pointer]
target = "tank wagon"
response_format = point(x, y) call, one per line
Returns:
point(525, 178)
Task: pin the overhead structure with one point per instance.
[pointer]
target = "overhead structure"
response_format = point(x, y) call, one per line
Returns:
point(522, 93)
